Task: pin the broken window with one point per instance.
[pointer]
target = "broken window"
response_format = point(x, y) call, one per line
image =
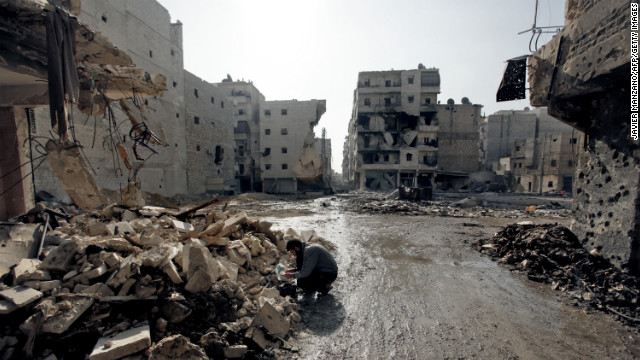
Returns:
point(213, 101)
point(512, 86)
point(554, 163)
point(427, 101)
point(197, 147)
point(409, 157)
point(175, 84)
point(367, 102)
point(267, 113)
point(240, 150)
point(387, 83)
point(195, 92)
point(570, 163)
point(267, 166)
point(267, 131)
point(367, 141)
point(284, 166)
point(386, 157)
point(387, 101)
point(150, 53)
point(550, 184)
point(283, 112)
point(240, 111)
point(196, 120)
point(283, 131)
point(284, 150)
point(364, 121)
point(410, 99)
point(222, 104)
point(241, 168)
point(410, 80)
point(219, 155)
point(172, 52)
point(519, 180)
point(266, 152)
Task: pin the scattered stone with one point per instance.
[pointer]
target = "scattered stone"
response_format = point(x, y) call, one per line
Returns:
point(18, 296)
point(176, 347)
point(269, 318)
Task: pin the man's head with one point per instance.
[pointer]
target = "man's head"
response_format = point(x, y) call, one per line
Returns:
point(293, 246)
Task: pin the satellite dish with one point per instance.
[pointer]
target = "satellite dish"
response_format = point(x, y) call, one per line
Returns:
point(451, 102)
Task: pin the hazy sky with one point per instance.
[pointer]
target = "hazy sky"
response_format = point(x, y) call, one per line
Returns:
point(314, 49)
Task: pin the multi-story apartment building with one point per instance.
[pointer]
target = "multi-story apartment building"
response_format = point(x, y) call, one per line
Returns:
point(544, 164)
point(289, 161)
point(506, 126)
point(245, 100)
point(399, 135)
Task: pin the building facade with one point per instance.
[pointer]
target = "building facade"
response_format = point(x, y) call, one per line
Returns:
point(400, 135)
point(289, 161)
point(245, 100)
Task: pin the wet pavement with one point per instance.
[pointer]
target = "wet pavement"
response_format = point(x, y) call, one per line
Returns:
point(413, 287)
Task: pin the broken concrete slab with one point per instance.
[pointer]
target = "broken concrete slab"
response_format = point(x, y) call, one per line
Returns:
point(172, 272)
point(259, 338)
point(235, 351)
point(229, 226)
point(132, 196)
point(182, 227)
point(154, 257)
point(200, 281)
point(74, 176)
point(61, 257)
point(120, 227)
point(230, 269)
point(25, 269)
point(19, 296)
point(64, 313)
point(270, 319)
point(176, 347)
point(123, 344)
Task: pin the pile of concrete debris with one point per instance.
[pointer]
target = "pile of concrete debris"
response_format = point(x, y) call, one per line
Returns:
point(553, 254)
point(467, 208)
point(121, 281)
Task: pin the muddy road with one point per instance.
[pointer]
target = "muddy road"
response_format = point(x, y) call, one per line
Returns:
point(412, 287)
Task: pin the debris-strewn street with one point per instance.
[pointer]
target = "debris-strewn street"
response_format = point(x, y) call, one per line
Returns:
point(198, 282)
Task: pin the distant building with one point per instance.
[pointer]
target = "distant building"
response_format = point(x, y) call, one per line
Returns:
point(543, 165)
point(245, 99)
point(506, 126)
point(290, 162)
point(399, 135)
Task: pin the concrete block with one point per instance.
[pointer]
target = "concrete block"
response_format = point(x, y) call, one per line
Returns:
point(120, 227)
point(172, 271)
point(98, 288)
point(154, 257)
point(95, 272)
point(230, 269)
point(60, 258)
point(128, 284)
point(176, 347)
point(229, 226)
point(199, 257)
point(27, 269)
point(182, 227)
point(200, 281)
point(235, 351)
point(20, 295)
point(128, 215)
point(123, 344)
point(259, 338)
point(97, 228)
point(111, 259)
point(64, 313)
point(269, 318)
point(140, 223)
point(49, 285)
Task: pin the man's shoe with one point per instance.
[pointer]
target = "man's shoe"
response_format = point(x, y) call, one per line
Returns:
point(326, 290)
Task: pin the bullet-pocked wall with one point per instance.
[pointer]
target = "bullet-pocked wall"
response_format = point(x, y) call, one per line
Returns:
point(590, 91)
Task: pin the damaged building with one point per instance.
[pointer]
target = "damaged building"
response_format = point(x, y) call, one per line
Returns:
point(530, 151)
point(244, 98)
point(582, 76)
point(290, 161)
point(400, 135)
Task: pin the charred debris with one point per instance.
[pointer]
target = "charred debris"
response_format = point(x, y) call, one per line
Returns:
point(150, 282)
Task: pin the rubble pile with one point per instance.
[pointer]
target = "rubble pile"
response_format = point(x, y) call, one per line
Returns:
point(553, 254)
point(467, 208)
point(122, 281)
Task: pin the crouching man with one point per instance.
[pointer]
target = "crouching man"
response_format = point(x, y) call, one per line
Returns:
point(315, 268)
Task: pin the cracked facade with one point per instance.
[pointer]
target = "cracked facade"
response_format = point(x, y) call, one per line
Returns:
point(400, 135)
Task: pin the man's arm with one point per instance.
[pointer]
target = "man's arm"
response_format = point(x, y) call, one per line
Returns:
point(309, 263)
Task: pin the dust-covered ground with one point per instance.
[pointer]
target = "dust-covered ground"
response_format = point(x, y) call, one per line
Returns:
point(413, 287)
